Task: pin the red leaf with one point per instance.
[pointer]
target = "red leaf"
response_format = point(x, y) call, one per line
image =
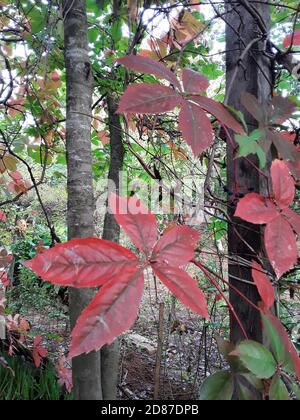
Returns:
point(252, 105)
point(38, 352)
point(176, 246)
point(3, 217)
point(283, 184)
point(104, 137)
point(147, 65)
point(195, 127)
point(220, 112)
point(15, 106)
point(64, 374)
point(36, 358)
point(16, 176)
point(287, 343)
point(4, 280)
point(112, 311)
point(55, 77)
point(281, 245)
point(183, 287)
point(286, 150)
point(264, 286)
point(194, 82)
point(256, 209)
point(83, 263)
point(280, 109)
point(292, 39)
point(293, 218)
point(146, 98)
point(136, 220)
point(290, 136)
point(294, 167)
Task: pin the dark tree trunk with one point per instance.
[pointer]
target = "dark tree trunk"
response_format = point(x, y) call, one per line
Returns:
point(86, 369)
point(244, 23)
point(111, 231)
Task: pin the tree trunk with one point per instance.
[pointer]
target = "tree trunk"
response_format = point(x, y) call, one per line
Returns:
point(253, 74)
point(86, 369)
point(111, 231)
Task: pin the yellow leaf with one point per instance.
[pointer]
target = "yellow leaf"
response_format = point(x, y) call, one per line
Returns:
point(2, 167)
point(132, 6)
point(10, 162)
point(191, 22)
point(49, 137)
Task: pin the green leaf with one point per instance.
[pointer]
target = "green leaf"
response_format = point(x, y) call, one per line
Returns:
point(240, 116)
point(256, 358)
point(211, 71)
point(296, 391)
point(93, 35)
point(225, 348)
point(256, 135)
point(217, 387)
point(278, 390)
point(95, 6)
point(37, 19)
point(254, 381)
point(38, 155)
point(262, 157)
point(61, 159)
point(249, 145)
point(116, 31)
point(246, 145)
point(276, 344)
point(246, 392)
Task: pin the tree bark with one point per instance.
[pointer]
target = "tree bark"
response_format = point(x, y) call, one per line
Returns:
point(244, 23)
point(111, 231)
point(86, 368)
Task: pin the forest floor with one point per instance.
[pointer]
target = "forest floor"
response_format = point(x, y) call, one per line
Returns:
point(189, 352)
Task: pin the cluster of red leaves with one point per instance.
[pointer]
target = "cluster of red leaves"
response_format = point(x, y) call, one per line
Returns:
point(16, 323)
point(281, 221)
point(18, 183)
point(38, 352)
point(20, 325)
point(144, 98)
point(8, 166)
point(94, 262)
point(5, 260)
point(4, 279)
point(3, 217)
point(15, 106)
point(64, 374)
point(269, 118)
